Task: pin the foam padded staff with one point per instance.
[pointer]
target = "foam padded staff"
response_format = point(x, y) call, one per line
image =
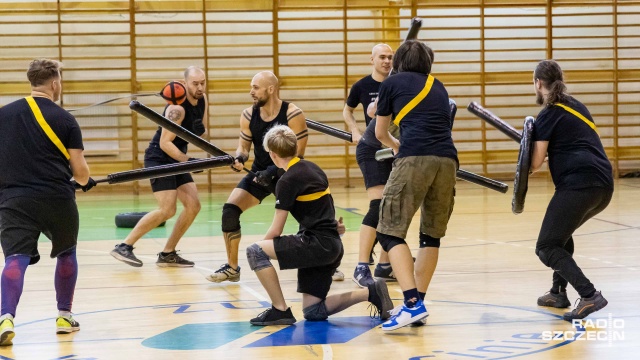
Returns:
point(414, 28)
point(492, 119)
point(329, 130)
point(521, 181)
point(167, 170)
point(180, 132)
point(460, 174)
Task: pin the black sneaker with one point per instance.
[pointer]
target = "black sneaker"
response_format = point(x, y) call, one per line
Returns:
point(559, 300)
point(586, 306)
point(124, 253)
point(385, 274)
point(172, 259)
point(379, 297)
point(273, 316)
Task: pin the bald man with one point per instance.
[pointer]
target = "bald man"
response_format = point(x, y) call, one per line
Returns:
point(267, 111)
point(165, 148)
point(365, 90)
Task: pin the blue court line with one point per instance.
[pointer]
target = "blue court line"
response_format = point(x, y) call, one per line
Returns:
point(337, 330)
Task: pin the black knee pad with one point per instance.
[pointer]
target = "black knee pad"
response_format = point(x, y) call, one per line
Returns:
point(373, 215)
point(316, 312)
point(230, 217)
point(428, 241)
point(389, 241)
point(544, 256)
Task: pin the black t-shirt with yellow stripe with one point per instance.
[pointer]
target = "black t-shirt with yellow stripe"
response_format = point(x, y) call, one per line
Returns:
point(576, 156)
point(30, 164)
point(303, 190)
point(425, 129)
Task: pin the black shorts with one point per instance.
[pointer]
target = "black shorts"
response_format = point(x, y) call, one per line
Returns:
point(22, 219)
point(374, 172)
point(258, 191)
point(315, 257)
point(172, 182)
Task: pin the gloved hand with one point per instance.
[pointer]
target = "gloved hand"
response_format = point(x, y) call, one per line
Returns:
point(239, 159)
point(198, 127)
point(90, 184)
point(266, 178)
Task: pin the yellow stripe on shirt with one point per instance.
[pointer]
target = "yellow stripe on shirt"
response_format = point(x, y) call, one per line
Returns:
point(314, 196)
point(45, 126)
point(579, 116)
point(415, 101)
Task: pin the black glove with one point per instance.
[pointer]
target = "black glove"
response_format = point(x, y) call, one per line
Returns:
point(241, 159)
point(198, 127)
point(197, 171)
point(90, 184)
point(265, 177)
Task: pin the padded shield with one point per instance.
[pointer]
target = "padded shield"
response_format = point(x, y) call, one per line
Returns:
point(521, 181)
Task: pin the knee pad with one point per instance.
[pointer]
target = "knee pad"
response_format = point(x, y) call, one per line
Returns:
point(389, 241)
point(373, 215)
point(230, 217)
point(257, 258)
point(316, 312)
point(428, 241)
point(545, 256)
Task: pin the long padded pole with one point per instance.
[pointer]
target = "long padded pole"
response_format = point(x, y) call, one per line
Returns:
point(329, 130)
point(180, 132)
point(492, 119)
point(460, 174)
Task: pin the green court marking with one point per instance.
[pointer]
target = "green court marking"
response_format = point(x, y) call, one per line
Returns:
point(200, 336)
point(97, 217)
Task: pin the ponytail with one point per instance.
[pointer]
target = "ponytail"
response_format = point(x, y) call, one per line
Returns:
point(557, 92)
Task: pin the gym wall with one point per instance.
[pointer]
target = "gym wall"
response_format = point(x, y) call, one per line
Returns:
point(485, 52)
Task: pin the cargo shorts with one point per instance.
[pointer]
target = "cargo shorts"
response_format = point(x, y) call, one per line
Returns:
point(425, 182)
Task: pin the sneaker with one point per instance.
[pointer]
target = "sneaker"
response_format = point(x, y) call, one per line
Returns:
point(124, 253)
point(273, 316)
point(550, 299)
point(6, 332)
point(586, 306)
point(172, 259)
point(338, 275)
point(225, 273)
point(381, 300)
point(417, 323)
point(384, 274)
point(404, 316)
point(66, 325)
point(362, 276)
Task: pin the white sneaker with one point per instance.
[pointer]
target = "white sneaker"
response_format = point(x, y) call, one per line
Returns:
point(338, 275)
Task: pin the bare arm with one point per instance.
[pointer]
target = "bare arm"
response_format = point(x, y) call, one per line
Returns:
point(298, 123)
point(245, 138)
point(539, 155)
point(79, 167)
point(372, 108)
point(382, 133)
point(205, 116)
point(350, 120)
point(174, 113)
point(277, 226)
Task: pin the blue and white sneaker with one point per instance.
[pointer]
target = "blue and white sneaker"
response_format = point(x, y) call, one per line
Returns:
point(403, 316)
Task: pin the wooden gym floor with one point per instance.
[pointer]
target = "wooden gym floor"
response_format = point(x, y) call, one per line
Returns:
point(482, 301)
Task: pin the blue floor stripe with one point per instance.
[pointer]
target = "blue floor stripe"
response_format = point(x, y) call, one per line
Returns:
point(337, 330)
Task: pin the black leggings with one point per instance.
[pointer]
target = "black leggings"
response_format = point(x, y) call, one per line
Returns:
point(567, 211)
